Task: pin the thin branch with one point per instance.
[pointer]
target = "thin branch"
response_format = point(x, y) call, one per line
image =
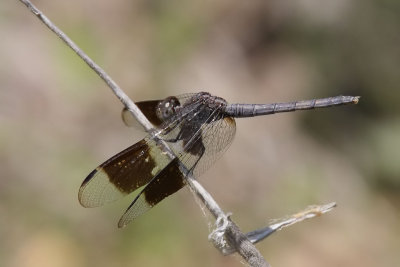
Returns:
point(235, 237)
point(260, 234)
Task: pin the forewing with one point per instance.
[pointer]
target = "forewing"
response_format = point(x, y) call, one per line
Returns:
point(122, 174)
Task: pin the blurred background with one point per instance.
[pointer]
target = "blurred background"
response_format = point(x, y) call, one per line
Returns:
point(58, 121)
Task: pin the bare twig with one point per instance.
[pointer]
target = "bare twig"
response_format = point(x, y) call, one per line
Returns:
point(260, 234)
point(234, 236)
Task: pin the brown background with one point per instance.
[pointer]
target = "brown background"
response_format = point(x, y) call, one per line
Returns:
point(58, 121)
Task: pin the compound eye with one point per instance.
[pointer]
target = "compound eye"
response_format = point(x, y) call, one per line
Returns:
point(167, 108)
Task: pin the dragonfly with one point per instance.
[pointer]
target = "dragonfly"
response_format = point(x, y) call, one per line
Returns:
point(198, 128)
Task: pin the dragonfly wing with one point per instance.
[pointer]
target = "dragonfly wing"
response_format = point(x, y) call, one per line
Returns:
point(216, 136)
point(122, 174)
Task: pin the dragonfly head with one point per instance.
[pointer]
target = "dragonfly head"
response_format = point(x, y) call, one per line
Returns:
point(167, 108)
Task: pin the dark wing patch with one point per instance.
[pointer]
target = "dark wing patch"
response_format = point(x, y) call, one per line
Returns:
point(167, 182)
point(149, 110)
